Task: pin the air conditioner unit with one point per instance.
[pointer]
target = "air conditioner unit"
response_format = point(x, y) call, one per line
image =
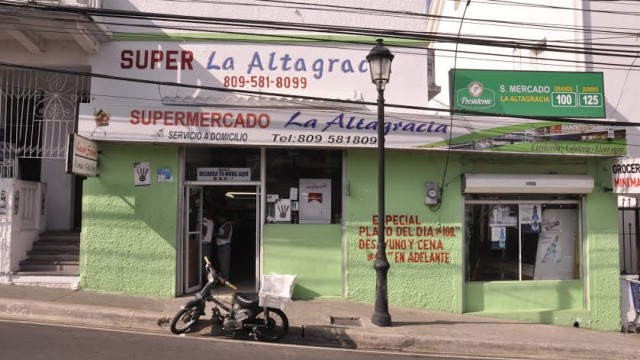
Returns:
point(527, 184)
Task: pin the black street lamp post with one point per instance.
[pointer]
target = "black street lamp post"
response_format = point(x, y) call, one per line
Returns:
point(379, 59)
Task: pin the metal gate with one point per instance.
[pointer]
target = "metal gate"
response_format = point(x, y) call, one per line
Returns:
point(37, 111)
point(628, 225)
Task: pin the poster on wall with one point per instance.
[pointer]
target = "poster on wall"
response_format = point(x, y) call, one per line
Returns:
point(164, 175)
point(530, 218)
point(503, 215)
point(315, 201)
point(551, 225)
point(271, 207)
point(282, 211)
point(556, 249)
point(498, 237)
point(549, 249)
point(141, 175)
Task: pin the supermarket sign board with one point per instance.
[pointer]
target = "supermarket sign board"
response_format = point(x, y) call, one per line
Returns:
point(528, 93)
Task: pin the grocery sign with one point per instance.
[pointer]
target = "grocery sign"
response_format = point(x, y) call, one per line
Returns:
point(528, 93)
point(626, 176)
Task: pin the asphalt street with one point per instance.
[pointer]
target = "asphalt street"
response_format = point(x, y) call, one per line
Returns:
point(38, 341)
point(325, 322)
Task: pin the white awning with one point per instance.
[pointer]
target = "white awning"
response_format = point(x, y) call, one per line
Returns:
point(527, 184)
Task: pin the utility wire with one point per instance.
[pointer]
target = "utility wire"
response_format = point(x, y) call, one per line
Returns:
point(421, 36)
point(510, 43)
point(548, 59)
point(255, 23)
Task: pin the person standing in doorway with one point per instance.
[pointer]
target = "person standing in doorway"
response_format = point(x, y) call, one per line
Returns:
point(223, 245)
point(207, 237)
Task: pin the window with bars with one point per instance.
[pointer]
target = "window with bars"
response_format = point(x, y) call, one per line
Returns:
point(38, 109)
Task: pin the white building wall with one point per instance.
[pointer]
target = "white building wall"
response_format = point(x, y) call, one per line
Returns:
point(56, 54)
point(614, 25)
point(346, 13)
point(517, 23)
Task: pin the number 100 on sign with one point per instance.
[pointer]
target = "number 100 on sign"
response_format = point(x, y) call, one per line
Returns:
point(568, 99)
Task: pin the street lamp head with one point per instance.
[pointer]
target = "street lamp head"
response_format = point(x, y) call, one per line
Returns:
point(379, 59)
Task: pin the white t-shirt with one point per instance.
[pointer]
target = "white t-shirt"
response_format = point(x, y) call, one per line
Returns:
point(220, 238)
point(208, 227)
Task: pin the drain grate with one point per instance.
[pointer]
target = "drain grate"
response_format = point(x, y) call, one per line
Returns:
point(345, 321)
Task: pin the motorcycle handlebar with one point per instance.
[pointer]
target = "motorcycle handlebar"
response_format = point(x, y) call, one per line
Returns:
point(230, 285)
point(222, 280)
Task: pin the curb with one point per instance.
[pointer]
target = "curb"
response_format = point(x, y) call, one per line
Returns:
point(82, 315)
point(351, 338)
point(314, 335)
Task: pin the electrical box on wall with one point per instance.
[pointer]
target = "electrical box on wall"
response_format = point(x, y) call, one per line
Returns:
point(432, 193)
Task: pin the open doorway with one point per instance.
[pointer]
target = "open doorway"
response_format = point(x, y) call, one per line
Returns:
point(237, 205)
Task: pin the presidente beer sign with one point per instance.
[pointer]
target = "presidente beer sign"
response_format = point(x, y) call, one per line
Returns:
point(529, 93)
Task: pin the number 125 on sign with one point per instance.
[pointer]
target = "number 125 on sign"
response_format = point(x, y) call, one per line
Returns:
point(590, 100)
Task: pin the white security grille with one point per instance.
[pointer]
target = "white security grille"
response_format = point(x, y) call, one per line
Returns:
point(37, 111)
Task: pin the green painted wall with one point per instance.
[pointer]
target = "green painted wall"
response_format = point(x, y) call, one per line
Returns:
point(128, 239)
point(433, 285)
point(439, 285)
point(603, 249)
point(501, 296)
point(312, 252)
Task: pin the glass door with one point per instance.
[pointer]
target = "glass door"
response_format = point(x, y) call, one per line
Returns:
point(192, 240)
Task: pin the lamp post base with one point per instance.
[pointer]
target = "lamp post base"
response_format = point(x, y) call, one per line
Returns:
point(381, 316)
point(381, 319)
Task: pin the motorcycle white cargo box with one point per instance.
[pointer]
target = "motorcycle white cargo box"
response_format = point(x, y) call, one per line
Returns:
point(276, 290)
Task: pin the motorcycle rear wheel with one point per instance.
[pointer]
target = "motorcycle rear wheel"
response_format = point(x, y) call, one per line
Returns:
point(184, 319)
point(276, 327)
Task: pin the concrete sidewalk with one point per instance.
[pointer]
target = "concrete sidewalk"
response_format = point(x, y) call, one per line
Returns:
point(337, 323)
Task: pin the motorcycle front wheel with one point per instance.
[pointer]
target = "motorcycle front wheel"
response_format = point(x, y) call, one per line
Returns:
point(275, 328)
point(184, 319)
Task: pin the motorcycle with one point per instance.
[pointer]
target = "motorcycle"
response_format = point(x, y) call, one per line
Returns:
point(244, 314)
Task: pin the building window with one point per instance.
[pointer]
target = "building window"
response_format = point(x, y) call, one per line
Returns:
point(523, 238)
point(304, 186)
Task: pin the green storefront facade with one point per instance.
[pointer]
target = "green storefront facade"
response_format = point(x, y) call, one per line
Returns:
point(130, 242)
point(481, 249)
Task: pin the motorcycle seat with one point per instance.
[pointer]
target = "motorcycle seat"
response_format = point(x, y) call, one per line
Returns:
point(247, 300)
